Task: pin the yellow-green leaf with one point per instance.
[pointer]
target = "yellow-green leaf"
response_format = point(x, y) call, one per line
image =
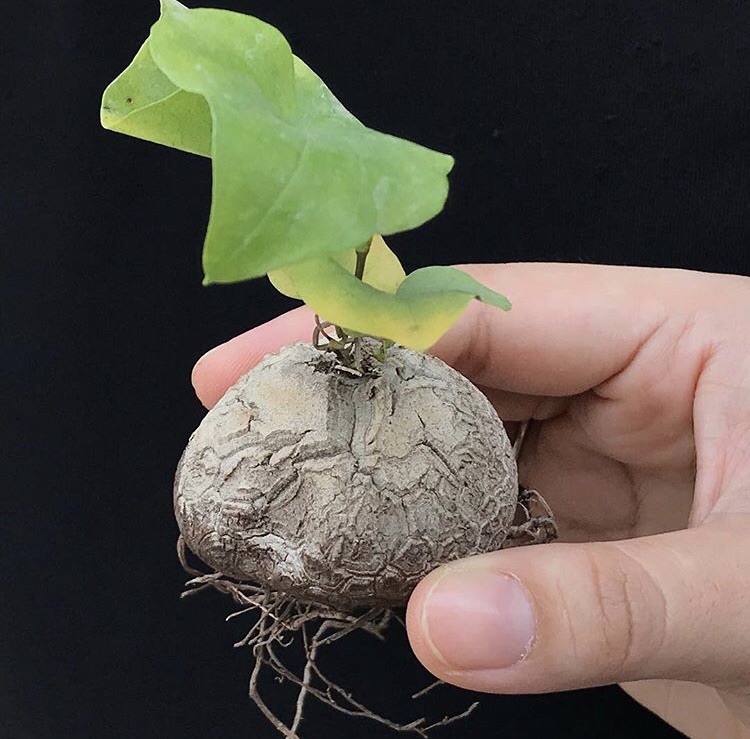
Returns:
point(143, 102)
point(422, 309)
point(383, 269)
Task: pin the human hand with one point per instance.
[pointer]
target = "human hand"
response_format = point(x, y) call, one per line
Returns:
point(637, 386)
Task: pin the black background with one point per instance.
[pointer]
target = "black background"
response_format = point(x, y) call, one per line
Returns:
point(583, 131)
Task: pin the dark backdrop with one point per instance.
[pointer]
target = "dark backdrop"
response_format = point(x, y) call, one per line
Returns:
point(594, 131)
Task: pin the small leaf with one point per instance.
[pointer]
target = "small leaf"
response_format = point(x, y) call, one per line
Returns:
point(383, 269)
point(416, 316)
point(295, 175)
point(449, 279)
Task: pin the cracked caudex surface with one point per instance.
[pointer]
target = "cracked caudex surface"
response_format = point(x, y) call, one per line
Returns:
point(341, 490)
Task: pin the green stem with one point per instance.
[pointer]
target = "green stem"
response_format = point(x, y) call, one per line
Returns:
point(348, 351)
point(362, 252)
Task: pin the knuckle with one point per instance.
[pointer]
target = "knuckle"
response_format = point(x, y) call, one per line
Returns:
point(628, 611)
point(475, 359)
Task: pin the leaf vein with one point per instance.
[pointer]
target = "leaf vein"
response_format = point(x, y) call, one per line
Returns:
point(277, 200)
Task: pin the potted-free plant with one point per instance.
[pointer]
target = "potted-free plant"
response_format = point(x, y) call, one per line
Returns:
point(337, 473)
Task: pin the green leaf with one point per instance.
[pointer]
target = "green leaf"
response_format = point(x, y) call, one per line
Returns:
point(295, 175)
point(423, 308)
point(430, 280)
point(143, 102)
point(383, 269)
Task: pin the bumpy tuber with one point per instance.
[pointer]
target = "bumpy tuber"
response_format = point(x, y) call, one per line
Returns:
point(342, 490)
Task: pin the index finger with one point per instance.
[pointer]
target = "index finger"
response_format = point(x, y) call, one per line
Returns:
point(571, 328)
point(218, 369)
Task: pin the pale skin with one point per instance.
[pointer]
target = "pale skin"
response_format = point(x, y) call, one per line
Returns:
point(637, 385)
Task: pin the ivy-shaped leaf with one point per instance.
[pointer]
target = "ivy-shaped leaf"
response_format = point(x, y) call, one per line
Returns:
point(423, 308)
point(295, 176)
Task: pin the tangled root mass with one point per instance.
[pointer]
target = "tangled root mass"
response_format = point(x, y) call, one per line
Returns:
point(278, 618)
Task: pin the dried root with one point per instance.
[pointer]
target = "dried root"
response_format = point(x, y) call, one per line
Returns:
point(534, 523)
point(278, 618)
point(355, 355)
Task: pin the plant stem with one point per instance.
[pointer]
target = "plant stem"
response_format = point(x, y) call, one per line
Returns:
point(362, 253)
point(347, 348)
point(354, 358)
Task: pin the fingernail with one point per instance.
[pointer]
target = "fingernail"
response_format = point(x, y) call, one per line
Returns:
point(478, 620)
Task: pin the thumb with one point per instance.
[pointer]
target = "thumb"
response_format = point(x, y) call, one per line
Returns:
point(564, 616)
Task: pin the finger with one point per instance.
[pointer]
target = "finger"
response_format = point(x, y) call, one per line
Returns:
point(221, 367)
point(694, 709)
point(572, 326)
point(519, 407)
point(565, 616)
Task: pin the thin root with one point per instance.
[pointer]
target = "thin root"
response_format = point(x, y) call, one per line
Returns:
point(278, 619)
point(537, 524)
